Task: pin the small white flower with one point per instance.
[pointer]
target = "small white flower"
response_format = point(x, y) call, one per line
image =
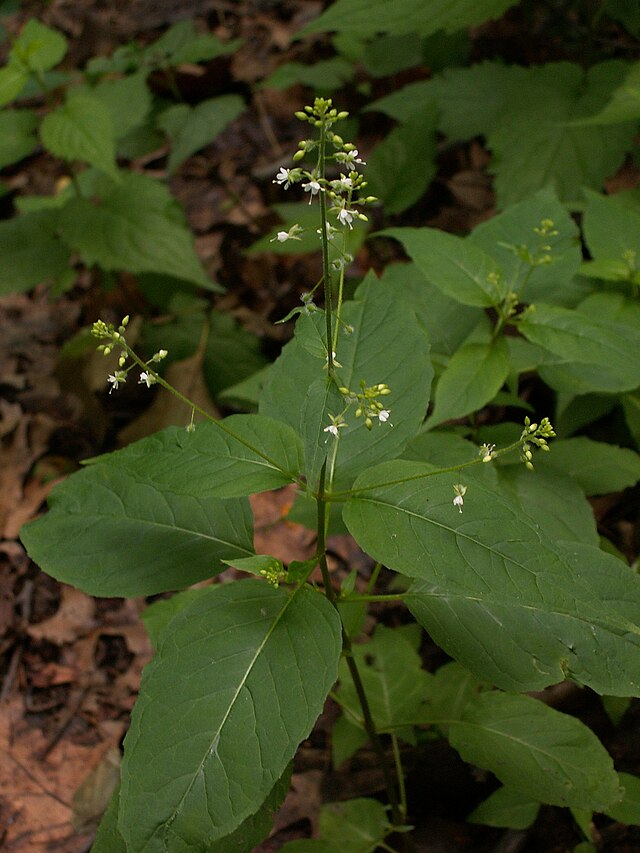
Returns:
point(486, 451)
point(383, 416)
point(343, 184)
point(350, 159)
point(460, 491)
point(283, 177)
point(333, 429)
point(117, 378)
point(345, 217)
point(282, 236)
point(312, 187)
point(147, 379)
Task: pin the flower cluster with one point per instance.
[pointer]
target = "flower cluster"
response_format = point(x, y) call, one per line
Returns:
point(116, 338)
point(534, 434)
point(368, 405)
point(343, 194)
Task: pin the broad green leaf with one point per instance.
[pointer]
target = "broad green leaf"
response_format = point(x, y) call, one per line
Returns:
point(38, 47)
point(449, 691)
point(534, 144)
point(387, 345)
point(182, 43)
point(402, 166)
point(631, 408)
point(562, 609)
point(506, 807)
point(137, 226)
point(612, 231)
point(234, 457)
point(512, 240)
point(608, 348)
point(127, 99)
point(624, 105)
point(17, 139)
point(628, 810)
point(31, 252)
point(473, 377)
point(458, 268)
point(116, 529)
point(13, 79)
point(597, 467)
point(323, 76)
point(159, 613)
point(191, 128)
point(82, 129)
point(235, 686)
point(357, 825)
point(445, 320)
point(550, 498)
point(370, 17)
point(550, 757)
point(393, 679)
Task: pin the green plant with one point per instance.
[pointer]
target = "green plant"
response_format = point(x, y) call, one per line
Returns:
point(108, 215)
point(502, 567)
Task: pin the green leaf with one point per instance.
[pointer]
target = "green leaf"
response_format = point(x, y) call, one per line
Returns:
point(137, 226)
point(191, 128)
point(612, 231)
point(534, 144)
point(473, 377)
point(108, 839)
point(564, 609)
point(550, 757)
point(506, 807)
point(128, 101)
point(17, 139)
point(551, 499)
point(116, 528)
point(157, 615)
point(357, 825)
point(393, 679)
point(459, 269)
point(234, 457)
point(403, 165)
point(608, 348)
point(446, 322)
point(346, 740)
point(82, 129)
point(624, 105)
point(31, 252)
point(597, 467)
point(38, 48)
point(327, 75)
point(181, 43)
point(203, 753)
point(449, 690)
point(511, 240)
point(628, 810)
point(387, 345)
point(13, 79)
point(369, 17)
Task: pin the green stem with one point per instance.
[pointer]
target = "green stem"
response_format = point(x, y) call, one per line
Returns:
point(369, 724)
point(373, 599)
point(326, 271)
point(397, 758)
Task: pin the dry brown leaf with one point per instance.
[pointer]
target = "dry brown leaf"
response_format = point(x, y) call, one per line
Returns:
point(91, 799)
point(74, 618)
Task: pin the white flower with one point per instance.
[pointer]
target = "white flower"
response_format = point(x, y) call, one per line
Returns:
point(116, 379)
point(147, 379)
point(486, 451)
point(345, 217)
point(282, 236)
point(312, 187)
point(284, 176)
point(383, 416)
point(342, 184)
point(349, 159)
point(333, 429)
point(460, 491)
point(291, 234)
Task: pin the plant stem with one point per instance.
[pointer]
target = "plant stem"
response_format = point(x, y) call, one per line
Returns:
point(326, 272)
point(369, 724)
